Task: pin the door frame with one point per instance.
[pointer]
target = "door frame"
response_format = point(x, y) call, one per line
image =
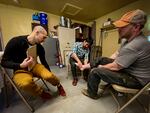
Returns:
point(1, 39)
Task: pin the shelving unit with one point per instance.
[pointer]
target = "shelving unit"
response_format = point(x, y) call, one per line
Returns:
point(66, 37)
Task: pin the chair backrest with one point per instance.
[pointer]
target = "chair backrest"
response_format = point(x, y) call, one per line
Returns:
point(95, 52)
point(5, 70)
point(66, 55)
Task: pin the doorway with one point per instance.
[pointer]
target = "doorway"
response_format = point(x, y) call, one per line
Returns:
point(1, 39)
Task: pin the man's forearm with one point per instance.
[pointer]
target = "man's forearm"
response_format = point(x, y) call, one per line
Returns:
point(85, 61)
point(75, 57)
point(10, 64)
point(114, 55)
point(112, 66)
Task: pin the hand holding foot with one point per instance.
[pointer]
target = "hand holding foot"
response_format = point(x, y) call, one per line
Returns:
point(79, 64)
point(83, 67)
point(86, 66)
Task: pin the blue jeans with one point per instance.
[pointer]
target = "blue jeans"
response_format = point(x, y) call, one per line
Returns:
point(111, 77)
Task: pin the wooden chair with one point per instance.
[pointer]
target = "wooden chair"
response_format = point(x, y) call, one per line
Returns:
point(136, 92)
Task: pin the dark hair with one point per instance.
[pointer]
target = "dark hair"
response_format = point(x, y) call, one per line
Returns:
point(142, 26)
point(90, 41)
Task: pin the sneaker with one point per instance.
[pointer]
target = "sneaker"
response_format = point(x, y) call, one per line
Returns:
point(61, 91)
point(74, 82)
point(85, 92)
point(45, 95)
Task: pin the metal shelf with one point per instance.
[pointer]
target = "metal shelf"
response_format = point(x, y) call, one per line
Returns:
point(109, 27)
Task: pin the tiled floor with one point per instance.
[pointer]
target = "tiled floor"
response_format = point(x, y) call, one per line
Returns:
point(75, 102)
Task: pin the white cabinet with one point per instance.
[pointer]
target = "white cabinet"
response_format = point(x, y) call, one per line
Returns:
point(66, 38)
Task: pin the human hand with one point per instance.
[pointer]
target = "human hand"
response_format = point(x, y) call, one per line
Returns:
point(85, 66)
point(26, 62)
point(99, 66)
point(79, 65)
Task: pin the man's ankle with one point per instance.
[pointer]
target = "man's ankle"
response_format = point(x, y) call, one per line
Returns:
point(75, 81)
point(45, 95)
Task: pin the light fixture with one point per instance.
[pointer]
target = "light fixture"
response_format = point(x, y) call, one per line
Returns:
point(71, 9)
point(17, 1)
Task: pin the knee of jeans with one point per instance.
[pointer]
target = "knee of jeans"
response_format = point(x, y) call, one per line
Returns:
point(94, 69)
point(53, 80)
point(73, 66)
point(48, 76)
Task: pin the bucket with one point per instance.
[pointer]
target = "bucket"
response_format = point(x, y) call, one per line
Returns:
point(42, 15)
point(35, 17)
point(68, 22)
point(43, 18)
point(44, 22)
point(62, 21)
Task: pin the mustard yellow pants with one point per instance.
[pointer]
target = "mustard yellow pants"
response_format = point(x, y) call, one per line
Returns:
point(24, 79)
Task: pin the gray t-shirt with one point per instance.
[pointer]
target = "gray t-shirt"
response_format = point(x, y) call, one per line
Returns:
point(134, 56)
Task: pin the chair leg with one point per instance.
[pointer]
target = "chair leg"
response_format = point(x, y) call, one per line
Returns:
point(133, 98)
point(68, 71)
point(22, 97)
point(148, 111)
point(45, 84)
point(5, 87)
point(5, 91)
point(145, 108)
point(118, 105)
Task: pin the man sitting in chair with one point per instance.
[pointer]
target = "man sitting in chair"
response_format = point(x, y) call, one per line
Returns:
point(15, 57)
point(130, 66)
point(78, 57)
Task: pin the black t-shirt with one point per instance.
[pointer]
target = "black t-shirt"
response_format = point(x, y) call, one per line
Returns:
point(15, 53)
